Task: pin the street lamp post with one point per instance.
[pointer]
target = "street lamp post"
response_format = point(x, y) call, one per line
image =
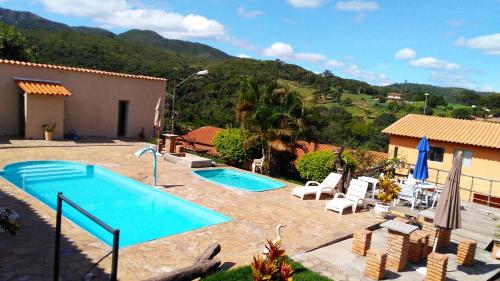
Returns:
point(199, 73)
point(425, 105)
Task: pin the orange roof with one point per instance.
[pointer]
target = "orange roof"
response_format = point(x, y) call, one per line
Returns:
point(470, 132)
point(77, 69)
point(204, 135)
point(201, 140)
point(305, 147)
point(43, 88)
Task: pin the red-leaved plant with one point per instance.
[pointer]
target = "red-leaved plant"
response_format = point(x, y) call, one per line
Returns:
point(273, 265)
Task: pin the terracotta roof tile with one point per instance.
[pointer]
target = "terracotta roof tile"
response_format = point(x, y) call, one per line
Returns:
point(201, 140)
point(43, 88)
point(469, 132)
point(87, 70)
point(204, 135)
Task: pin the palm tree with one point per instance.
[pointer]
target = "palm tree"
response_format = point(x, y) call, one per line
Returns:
point(271, 115)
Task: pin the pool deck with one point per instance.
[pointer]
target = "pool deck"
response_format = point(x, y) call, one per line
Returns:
point(29, 254)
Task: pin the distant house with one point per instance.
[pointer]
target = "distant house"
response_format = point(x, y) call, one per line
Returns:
point(479, 141)
point(202, 140)
point(396, 97)
point(86, 101)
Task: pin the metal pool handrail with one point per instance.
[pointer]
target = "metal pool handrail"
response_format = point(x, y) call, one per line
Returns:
point(115, 232)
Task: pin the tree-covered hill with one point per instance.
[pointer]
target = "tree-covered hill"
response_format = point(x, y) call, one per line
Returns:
point(353, 110)
point(152, 38)
point(30, 21)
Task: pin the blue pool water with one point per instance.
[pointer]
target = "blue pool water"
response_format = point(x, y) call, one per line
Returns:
point(140, 212)
point(239, 180)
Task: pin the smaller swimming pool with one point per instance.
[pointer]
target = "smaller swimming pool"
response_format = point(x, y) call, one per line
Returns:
point(239, 180)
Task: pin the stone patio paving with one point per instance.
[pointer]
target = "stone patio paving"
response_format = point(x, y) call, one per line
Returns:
point(350, 267)
point(29, 254)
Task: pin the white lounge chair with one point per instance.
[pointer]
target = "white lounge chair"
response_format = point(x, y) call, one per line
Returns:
point(313, 187)
point(354, 197)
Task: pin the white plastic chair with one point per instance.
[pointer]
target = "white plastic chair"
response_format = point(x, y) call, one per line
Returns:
point(353, 198)
point(408, 193)
point(435, 196)
point(257, 164)
point(313, 187)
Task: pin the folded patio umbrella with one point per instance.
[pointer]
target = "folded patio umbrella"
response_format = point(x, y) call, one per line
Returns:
point(421, 171)
point(447, 215)
point(158, 117)
point(157, 122)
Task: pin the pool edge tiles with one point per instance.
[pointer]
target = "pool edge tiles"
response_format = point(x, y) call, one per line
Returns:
point(254, 179)
point(125, 204)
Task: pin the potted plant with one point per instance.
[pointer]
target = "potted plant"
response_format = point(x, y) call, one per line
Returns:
point(388, 190)
point(49, 130)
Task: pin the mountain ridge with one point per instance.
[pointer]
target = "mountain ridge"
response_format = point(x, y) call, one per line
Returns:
point(192, 53)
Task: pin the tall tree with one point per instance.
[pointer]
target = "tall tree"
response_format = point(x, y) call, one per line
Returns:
point(271, 115)
point(13, 44)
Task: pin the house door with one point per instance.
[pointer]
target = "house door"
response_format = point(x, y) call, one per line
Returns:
point(122, 118)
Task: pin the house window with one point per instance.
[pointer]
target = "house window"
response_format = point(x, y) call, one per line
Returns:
point(466, 157)
point(436, 154)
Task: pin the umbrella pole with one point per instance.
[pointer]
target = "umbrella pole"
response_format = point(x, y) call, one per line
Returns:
point(436, 240)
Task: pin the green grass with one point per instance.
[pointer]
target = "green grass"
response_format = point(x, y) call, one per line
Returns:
point(245, 274)
point(291, 180)
point(305, 91)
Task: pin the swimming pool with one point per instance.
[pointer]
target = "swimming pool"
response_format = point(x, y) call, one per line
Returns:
point(139, 211)
point(239, 180)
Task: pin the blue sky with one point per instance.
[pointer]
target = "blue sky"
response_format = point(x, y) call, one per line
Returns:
point(446, 42)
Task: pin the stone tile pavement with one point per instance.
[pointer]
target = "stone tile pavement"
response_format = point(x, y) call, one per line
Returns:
point(338, 259)
point(29, 254)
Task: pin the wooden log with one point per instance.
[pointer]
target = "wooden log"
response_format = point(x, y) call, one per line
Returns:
point(209, 253)
point(202, 265)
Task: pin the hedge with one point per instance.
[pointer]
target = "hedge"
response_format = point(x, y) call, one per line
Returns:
point(229, 144)
point(315, 165)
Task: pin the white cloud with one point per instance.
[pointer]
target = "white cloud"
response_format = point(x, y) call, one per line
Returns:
point(306, 3)
point(285, 51)
point(354, 71)
point(368, 76)
point(487, 44)
point(310, 57)
point(434, 63)
point(278, 49)
point(488, 88)
point(451, 79)
point(248, 14)
point(168, 24)
point(244, 56)
point(85, 8)
point(334, 63)
point(405, 54)
point(125, 14)
point(356, 6)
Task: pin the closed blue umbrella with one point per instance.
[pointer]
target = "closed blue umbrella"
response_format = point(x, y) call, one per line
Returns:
point(421, 172)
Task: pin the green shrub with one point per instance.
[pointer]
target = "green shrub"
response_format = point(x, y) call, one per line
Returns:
point(315, 165)
point(231, 147)
point(461, 113)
